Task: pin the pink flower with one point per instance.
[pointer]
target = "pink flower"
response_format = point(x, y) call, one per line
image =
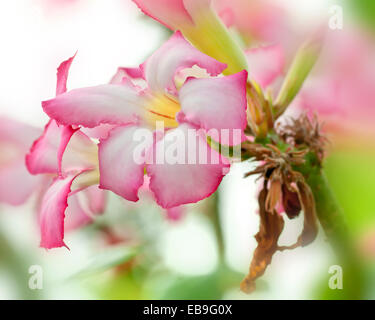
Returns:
point(342, 90)
point(266, 64)
point(52, 6)
point(17, 184)
point(260, 19)
point(67, 156)
point(198, 103)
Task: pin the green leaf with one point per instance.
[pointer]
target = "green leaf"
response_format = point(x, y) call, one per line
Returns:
point(302, 64)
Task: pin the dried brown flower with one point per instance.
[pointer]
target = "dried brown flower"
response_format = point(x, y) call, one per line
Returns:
point(291, 202)
point(281, 185)
point(304, 132)
point(271, 226)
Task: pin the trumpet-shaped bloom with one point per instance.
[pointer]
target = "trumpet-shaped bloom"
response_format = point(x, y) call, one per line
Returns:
point(200, 24)
point(217, 103)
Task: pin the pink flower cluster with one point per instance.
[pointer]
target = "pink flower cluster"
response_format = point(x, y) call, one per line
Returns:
point(168, 87)
point(87, 147)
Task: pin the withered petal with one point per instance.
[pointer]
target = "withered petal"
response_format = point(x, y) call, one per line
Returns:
point(271, 226)
point(274, 194)
point(310, 226)
point(291, 202)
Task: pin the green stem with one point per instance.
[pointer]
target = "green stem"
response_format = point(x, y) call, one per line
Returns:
point(215, 218)
point(332, 220)
point(227, 278)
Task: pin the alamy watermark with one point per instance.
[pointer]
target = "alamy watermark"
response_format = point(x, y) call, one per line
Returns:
point(335, 282)
point(36, 278)
point(336, 20)
point(185, 145)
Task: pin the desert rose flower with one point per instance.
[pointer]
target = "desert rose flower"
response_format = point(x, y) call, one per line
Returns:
point(65, 155)
point(210, 103)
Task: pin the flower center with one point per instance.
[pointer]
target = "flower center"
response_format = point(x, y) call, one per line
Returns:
point(162, 107)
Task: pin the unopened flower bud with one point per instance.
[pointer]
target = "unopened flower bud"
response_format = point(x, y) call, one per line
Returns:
point(303, 62)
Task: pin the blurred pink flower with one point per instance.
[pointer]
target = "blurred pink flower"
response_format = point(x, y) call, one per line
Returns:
point(55, 4)
point(342, 91)
point(266, 64)
point(16, 184)
point(260, 20)
point(196, 104)
point(366, 244)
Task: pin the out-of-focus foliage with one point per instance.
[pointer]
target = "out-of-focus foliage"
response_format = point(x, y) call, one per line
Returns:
point(365, 10)
point(109, 258)
point(352, 177)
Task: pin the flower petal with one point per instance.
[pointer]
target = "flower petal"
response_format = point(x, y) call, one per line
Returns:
point(97, 199)
point(194, 178)
point(176, 213)
point(99, 132)
point(89, 107)
point(83, 207)
point(16, 183)
point(173, 13)
point(48, 152)
point(45, 154)
point(132, 73)
point(195, 7)
point(120, 171)
point(52, 213)
point(76, 215)
point(263, 20)
point(170, 13)
point(62, 75)
point(80, 152)
point(266, 64)
point(16, 134)
point(216, 103)
point(173, 56)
